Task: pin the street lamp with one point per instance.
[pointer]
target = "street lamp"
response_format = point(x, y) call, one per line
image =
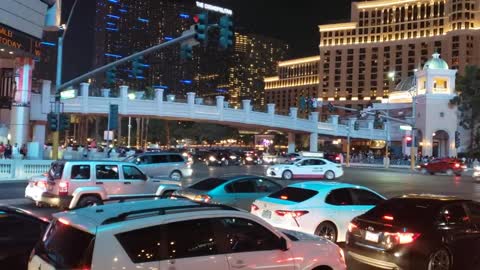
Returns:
point(391, 75)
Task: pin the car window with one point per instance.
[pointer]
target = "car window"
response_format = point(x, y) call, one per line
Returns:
point(106, 172)
point(306, 162)
point(143, 160)
point(453, 214)
point(16, 227)
point(208, 184)
point(143, 245)
point(130, 172)
point(266, 186)
point(242, 235)
point(294, 194)
point(317, 162)
point(365, 197)
point(190, 239)
point(175, 158)
point(244, 186)
point(339, 196)
point(80, 172)
point(159, 159)
point(56, 170)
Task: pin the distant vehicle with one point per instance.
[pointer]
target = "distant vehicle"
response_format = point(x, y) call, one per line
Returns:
point(416, 232)
point(476, 173)
point(163, 164)
point(320, 208)
point(450, 166)
point(237, 191)
point(306, 168)
point(73, 184)
point(20, 230)
point(222, 158)
point(333, 157)
point(251, 158)
point(270, 158)
point(176, 234)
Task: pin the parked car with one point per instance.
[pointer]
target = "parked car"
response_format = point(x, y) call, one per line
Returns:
point(306, 168)
point(160, 164)
point(179, 234)
point(20, 230)
point(418, 232)
point(236, 190)
point(71, 184)
point(450, 166)
point(320, 208)
point(334, 157)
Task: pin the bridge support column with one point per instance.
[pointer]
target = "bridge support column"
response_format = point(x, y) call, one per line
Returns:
point(124, 99)
point(314, 142)
point(271, 108)
point(39, 132)
point(293, 112)
point(291, 142)
point(191, 98)
point(246, 105)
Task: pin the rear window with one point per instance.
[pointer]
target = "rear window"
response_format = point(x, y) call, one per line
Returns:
point(405, 212)
point(56, 170)
point(294, 194)
point(66, 247)
point(208, 184)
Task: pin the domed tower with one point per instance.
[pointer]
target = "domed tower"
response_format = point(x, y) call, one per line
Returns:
point(436, 120)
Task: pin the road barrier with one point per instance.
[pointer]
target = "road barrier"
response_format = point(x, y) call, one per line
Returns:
point(22, 169)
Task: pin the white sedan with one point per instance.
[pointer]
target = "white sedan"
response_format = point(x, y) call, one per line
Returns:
point(306, 168)
point(320, 208)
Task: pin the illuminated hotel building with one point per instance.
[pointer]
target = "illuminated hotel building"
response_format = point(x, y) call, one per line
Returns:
point(296, 78)
point(387, 40)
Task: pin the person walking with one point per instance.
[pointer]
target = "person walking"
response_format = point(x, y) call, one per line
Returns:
point(2, 150)
point(23, 151)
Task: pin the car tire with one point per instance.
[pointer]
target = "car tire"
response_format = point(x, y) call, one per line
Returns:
point(176, 175)
point(89, 200)
point(449, 172)
point(440, 260)
point(329, 175)
point(287, 175)
point(327, 230)
point(424, 171)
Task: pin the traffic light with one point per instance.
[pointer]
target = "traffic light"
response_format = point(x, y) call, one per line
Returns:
point(201, 27)
point(330, 107)
point(64, 121)
point(408, 140)
point(186, 52)
point(52, 121)
point(111, 75)
point(356, 125)
point(136, 67)
point(226, 32)
point(457, 139)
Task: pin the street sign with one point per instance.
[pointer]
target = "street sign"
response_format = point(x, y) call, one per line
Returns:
point(405, 127)
point(108, 135)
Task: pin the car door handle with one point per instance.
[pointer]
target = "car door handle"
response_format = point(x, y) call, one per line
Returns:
point(239, 265)
point(99, 183)
point(127, 183)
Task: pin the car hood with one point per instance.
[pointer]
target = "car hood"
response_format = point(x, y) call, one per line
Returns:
point(303, 237)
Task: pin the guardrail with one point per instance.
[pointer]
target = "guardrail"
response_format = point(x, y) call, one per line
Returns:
point(21, 169)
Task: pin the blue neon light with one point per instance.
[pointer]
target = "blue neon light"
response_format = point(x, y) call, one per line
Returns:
point(122, 10)
point(185, 16)
point(113, 16)
point(222, 90)
point(113, 55)
point(136, 77)
point(111, 23)
point(143, 20)
point(113, 1)
point(160, 86)
point(168, 38)
point(144, 65)
point(51, 44)
point(111, 29)
point(186, 81)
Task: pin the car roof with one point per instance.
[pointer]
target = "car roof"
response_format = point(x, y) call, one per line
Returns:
point(324, 187)
point(9, 208)
point(432, 197)
point(94, 161)
point(89, 218)
point(238, 176)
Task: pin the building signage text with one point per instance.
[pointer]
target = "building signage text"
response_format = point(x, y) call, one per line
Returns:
point(214, 8)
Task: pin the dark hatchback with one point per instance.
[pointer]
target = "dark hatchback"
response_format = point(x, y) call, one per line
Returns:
point(417, 232)
point(19, 232)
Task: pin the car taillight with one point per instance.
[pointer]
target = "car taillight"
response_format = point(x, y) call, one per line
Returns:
point(402, 237)
point(387, 217)
point(253, 207)
point(457, 165)
point(64, 221)
point(202, 198)
point(294, 214)
point(352, 227)
point(63, 188)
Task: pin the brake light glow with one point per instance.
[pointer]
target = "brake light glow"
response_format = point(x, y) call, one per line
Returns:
point(403, 238)
point(253, 207)
point(294, 214)
point(351, 227)
point(284, 197)
point(202, 198)
point(387, 217)
point(457, 165)
point(63, 188)
point(64, 221)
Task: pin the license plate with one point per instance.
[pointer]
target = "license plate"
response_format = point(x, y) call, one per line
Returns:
point(267, 214)
point(373, 237)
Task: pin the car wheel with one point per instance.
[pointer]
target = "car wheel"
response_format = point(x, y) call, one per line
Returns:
point(329, 175)
point(424, 171)
point(89, 200)
point(449, 172)
point(440, 260)
point(327, 230)
point(176, 175)
point(287, 175)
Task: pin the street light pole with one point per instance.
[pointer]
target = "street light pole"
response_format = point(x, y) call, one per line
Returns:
point(348, 146)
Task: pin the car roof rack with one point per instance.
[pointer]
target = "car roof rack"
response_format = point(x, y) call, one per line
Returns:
point(162, 211)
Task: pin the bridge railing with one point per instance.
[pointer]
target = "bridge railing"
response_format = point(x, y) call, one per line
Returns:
point(18, 169)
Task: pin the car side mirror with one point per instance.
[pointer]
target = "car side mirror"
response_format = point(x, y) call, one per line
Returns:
point(283, 244)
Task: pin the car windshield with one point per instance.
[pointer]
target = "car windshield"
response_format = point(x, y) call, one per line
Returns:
point(294, 194)
point(208, 184)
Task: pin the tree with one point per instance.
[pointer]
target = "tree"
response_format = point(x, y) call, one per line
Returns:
point(468, 101)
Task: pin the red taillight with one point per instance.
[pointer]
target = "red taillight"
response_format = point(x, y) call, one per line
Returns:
point(351, 227)
point(294, 214)
point(387, 217)
point(284, 197)
point(403, 237)
point(337, 158)
point(253, 207)
point(64, 221)
point(63, 188)
point(457, 165)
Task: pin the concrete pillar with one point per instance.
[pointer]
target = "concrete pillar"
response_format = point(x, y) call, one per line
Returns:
point(20, 113)
point(226, 104)
point(334, 119)
point(291, 142)
point(314, 142)
point(159, 95)
point(293, 112)
point(246, 105)
point(191, 98)
point(84, 91)
point(314, 117)
point(452, 151)
point(220, 102)
point(123, 99)
point(105, 92)
point(271, 108)
point(351, 123)
point(46, 96)
point(370, 124)
point(38, 136)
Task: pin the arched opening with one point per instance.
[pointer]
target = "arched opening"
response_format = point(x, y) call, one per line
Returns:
point(440, 144)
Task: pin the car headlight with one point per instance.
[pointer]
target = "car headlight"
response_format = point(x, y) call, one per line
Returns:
point(249, 158)
point(233, 157)
point(476, 168)
point(223, 158)
point(212, 158)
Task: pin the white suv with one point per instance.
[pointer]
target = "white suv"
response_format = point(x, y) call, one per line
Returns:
point(176, 234)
